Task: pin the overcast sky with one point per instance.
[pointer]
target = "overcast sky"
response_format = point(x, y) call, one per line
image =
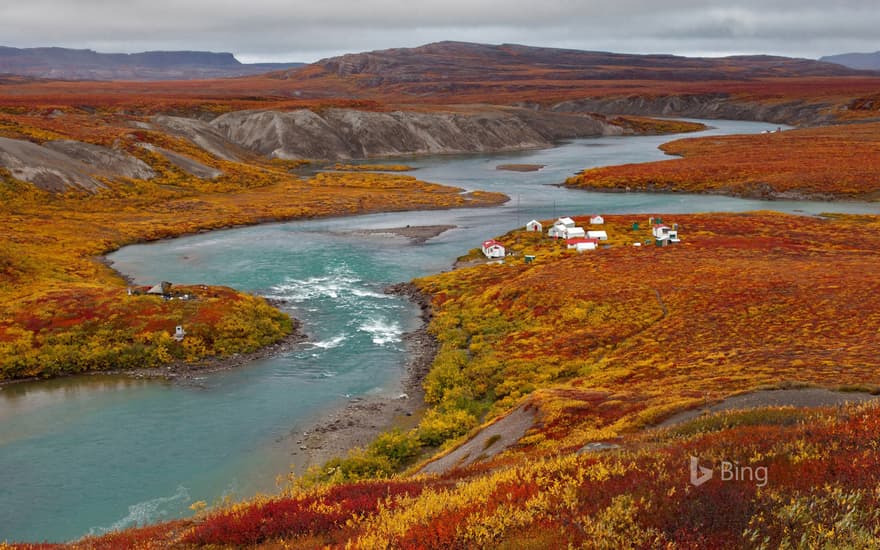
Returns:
point(296, 30)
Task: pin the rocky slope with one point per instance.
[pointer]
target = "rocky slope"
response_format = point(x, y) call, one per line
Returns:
point(708, 106)
point(346, 133)
point(62, 165)
point(199, 132)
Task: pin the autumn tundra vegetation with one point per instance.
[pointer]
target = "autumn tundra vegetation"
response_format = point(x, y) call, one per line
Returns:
point(827, 162)
point(590, 344)
point(601, 351)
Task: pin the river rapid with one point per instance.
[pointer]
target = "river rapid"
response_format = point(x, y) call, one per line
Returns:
point(89, 454)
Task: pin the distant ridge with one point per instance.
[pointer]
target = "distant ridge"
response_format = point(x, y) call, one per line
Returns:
point(864, 61)
point(70, 64)
point(481, 61)
point(456, 70)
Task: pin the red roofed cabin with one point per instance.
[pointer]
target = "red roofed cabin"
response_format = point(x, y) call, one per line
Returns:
point(493, 249)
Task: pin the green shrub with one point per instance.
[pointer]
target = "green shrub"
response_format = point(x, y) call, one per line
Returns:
point(437, 427)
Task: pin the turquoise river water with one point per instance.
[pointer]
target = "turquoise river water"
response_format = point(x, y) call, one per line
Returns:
point(90, 454)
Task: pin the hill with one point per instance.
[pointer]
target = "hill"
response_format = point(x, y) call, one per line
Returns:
point(464, 61)
point(460, 67)
point(864, 61)
point(69, 64)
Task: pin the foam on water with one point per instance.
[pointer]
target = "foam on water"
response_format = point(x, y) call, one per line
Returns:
point(339, 283)
point(381, 330)
point(331, 343)
point(148, 511)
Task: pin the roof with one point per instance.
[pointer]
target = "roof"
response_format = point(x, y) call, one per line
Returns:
point(578, 240)
point(491, 242)
point(660, 226)
point(533, 221)
point(565, 220)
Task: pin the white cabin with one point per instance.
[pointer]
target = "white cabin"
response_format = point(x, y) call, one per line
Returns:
point(557, 231)
point(597, 220)
point(574, 232)
point(534, 225)
point(581, 244)
point(493, 249)
point(599, 235)
point(663, 231)
point(567, 222)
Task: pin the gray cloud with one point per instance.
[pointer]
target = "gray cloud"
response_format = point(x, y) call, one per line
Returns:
point(275, 30)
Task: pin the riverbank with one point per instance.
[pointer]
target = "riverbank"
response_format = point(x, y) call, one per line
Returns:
point(357, 423)
point(185, 372)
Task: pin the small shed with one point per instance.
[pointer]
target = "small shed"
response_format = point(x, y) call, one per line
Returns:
point(599, 235)
point(529, 258)
point(493, 249)
point(179, 333)
point(534, 225)
point(567, 222)
point(597, 220)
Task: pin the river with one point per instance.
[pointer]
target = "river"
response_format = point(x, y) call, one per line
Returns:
point(88, 454)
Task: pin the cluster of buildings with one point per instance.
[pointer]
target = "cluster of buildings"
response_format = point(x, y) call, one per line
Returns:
point(580, 239)
point(576, 238)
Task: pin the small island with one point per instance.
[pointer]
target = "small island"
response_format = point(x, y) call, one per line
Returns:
point(520, 167)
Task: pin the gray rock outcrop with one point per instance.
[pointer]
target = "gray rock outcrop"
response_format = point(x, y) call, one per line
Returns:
point(202, 134)
point(106, 161)
point(706, 106)
point(63, 165)
point(337, 134)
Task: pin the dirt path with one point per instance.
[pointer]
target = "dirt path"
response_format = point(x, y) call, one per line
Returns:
point(806, 398)
point(492, 440)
